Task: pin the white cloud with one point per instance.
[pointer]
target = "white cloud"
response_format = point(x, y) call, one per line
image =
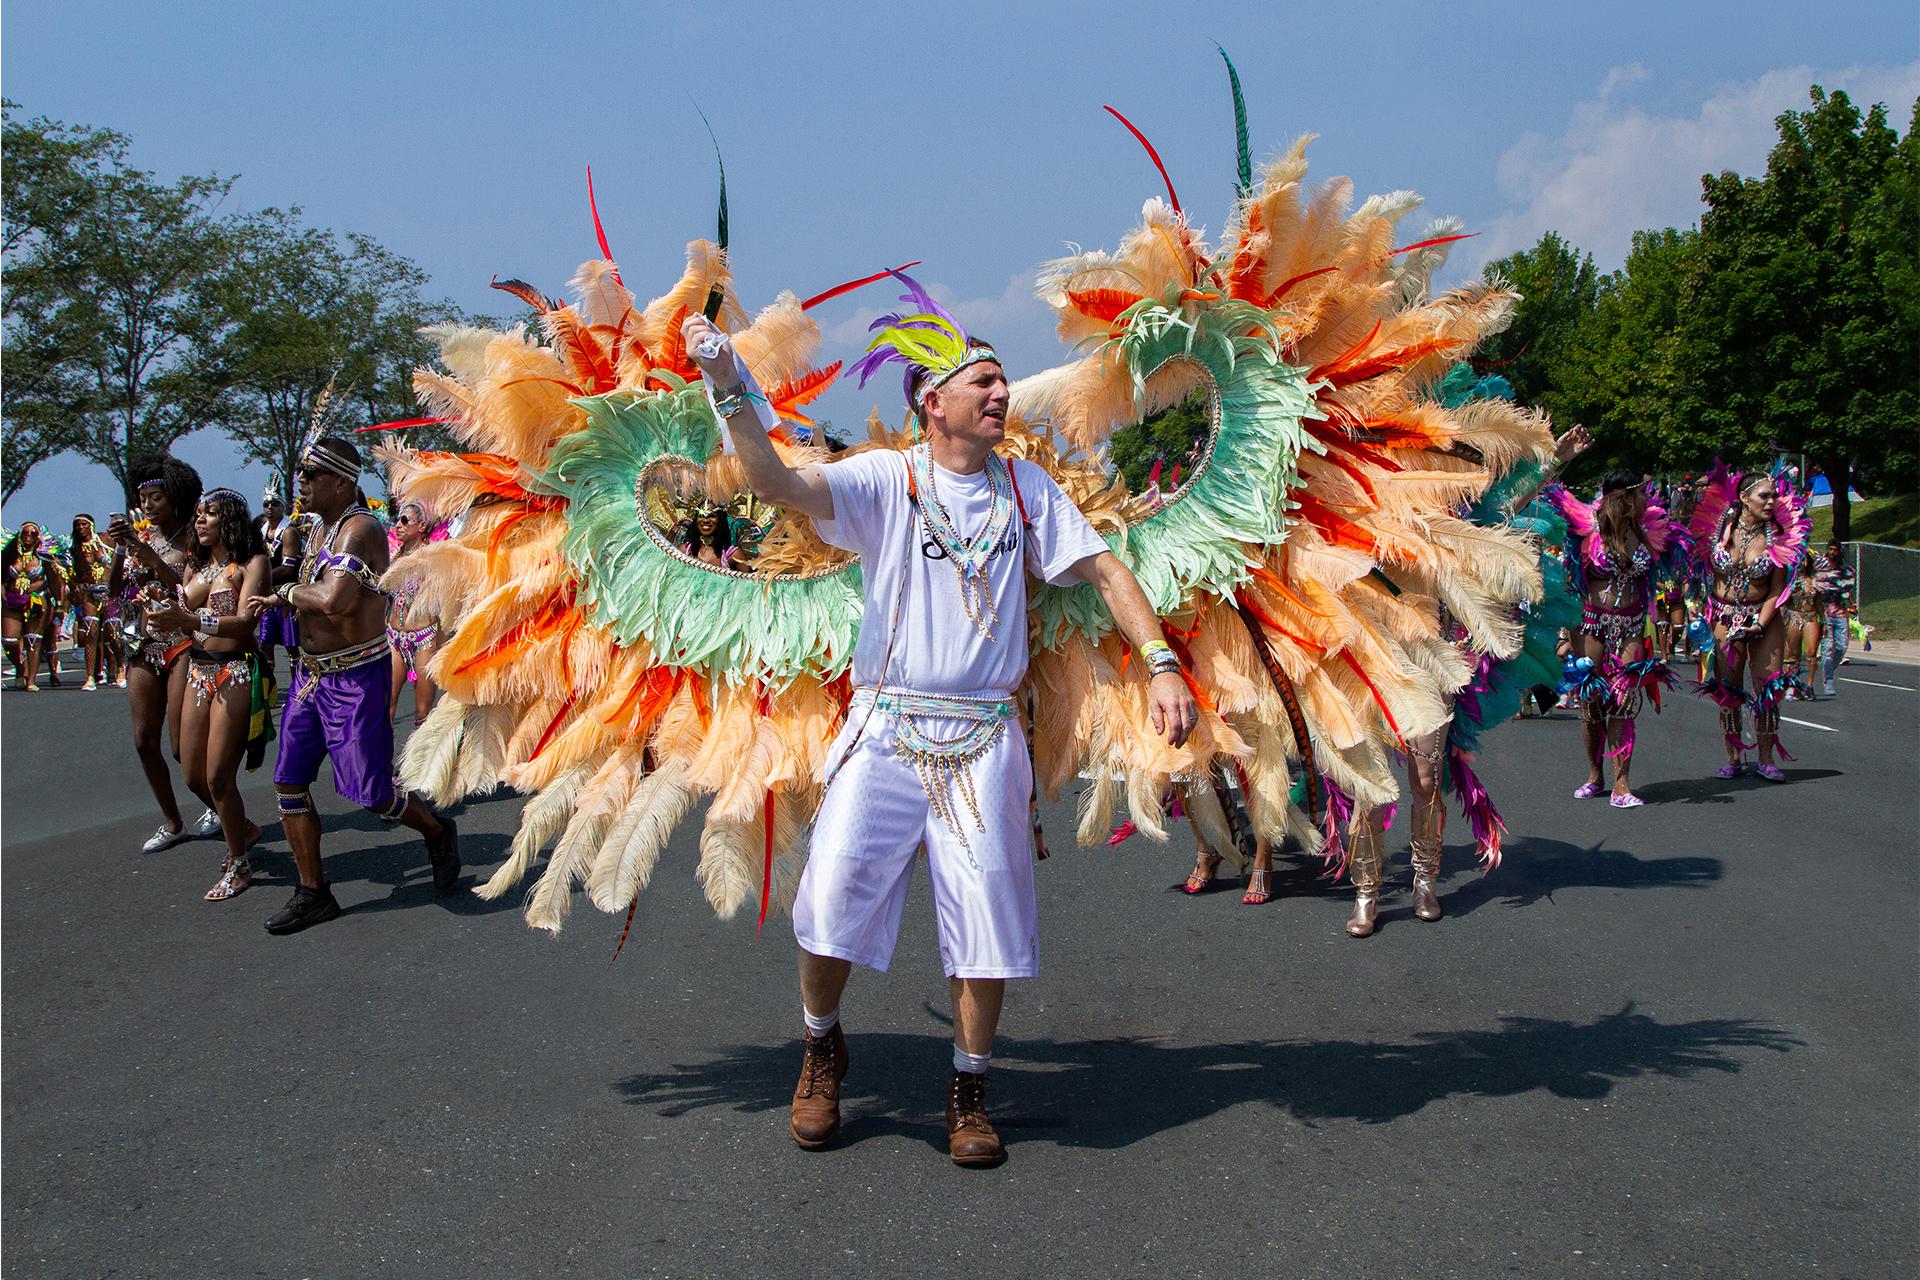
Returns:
point(1617, 169)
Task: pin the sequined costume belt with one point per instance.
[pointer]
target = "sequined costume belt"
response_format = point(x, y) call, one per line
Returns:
point(1615, 628)
point(316, 665)
point(944, 764)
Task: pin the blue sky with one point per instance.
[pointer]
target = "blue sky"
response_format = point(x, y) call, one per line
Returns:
point(969, 136)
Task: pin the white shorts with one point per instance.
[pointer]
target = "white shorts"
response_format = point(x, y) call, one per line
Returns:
point(873, 820)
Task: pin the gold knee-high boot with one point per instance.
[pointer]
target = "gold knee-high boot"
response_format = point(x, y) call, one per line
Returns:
point(1429, 822)
point(1365, 868)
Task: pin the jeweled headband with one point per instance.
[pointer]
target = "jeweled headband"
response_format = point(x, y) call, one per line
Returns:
point(928, 339)
point(323, 455)
point(155, 483)
point(229, 495)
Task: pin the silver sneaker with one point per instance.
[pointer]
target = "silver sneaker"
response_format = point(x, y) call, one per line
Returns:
point(208, 824)
point(164, 839)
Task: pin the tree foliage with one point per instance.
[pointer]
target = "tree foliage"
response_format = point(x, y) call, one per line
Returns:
point(310, 308)
point(1168, 437)
point(138, 312)
point(108, 298)
point(1623, 363)
point(1797, 335)
point(1789, 323)
point(1558, 287)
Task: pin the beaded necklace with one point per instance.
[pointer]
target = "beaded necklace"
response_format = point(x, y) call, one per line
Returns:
point(970, 557)
point(310, 561)
point(1741, 572)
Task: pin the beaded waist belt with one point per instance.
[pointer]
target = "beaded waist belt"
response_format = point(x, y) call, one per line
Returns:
point(945, 764)
point(356, 655)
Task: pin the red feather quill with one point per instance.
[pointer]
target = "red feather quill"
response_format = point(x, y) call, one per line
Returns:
point(1153, 155)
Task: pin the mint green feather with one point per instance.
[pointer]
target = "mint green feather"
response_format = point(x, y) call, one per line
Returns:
point(1204, 538)
point(733, 626)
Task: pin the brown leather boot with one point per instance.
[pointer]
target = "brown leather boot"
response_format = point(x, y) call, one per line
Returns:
point(971, 1141)
point(815, 1121)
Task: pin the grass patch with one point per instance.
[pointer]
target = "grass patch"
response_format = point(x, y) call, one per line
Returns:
point(1894, 521)
point(1893, 619)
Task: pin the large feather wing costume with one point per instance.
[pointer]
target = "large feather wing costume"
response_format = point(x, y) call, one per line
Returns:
point(1297, 569)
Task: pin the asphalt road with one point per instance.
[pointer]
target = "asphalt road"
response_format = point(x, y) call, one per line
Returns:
point(1676, 1041)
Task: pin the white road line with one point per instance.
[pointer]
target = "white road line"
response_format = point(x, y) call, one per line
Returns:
point(1808, 724)
point(1876, 684)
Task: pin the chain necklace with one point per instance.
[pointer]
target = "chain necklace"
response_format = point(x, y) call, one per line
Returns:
point(1743, 572)
point(969, 557)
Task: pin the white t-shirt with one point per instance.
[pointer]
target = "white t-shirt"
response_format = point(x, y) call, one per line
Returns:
point(938, 649)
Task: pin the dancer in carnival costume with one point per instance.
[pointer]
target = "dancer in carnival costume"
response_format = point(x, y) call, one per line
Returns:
point(947, 533)
point(1805, 617)
point(1295, 571)
point(35, 591)
point(1501, 682)
point(150, 563)
point(1621, 546)
point(94, 606)
point(228, 567)
point(414, 641)
point(337, 704)
point(1749, 535)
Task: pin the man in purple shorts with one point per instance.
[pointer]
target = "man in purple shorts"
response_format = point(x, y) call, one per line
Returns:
point(337, 707)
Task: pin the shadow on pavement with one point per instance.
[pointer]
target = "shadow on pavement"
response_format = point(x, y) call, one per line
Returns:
point(1534, 868)
point(400, 864)
point(1070, 1090)
point(1712, 790)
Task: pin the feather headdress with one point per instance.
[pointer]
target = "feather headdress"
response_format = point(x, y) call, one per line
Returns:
point(925, 337)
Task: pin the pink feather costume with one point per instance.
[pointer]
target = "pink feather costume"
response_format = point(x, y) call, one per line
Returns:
point(1617, 602)
point(1730, 573)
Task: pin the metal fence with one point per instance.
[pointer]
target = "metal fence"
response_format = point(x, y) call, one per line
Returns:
point(1887, 583)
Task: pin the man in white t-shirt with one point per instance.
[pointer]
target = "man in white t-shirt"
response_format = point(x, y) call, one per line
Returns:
point(931, 753)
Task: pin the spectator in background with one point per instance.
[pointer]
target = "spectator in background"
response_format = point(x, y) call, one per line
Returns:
point(1833, 590)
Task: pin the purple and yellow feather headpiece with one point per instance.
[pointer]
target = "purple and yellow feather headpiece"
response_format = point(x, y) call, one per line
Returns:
point(925, 337)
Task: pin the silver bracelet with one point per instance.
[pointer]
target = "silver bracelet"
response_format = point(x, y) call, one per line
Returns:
point(731, 401)
point(1162, 664)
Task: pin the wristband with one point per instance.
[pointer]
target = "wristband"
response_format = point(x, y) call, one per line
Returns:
point(208, 620)
point(285, 591)
point(734, 400)
point(1161, 659)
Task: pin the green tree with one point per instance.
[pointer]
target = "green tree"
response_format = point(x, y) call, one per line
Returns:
point(49, 181)
point(308, 307)
point(109, 316)
point(1801, 337)
point(1558, 289)
point(1622, 363)
point(1167, 437)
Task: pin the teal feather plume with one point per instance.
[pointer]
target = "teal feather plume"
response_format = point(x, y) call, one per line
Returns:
point(1242, 151)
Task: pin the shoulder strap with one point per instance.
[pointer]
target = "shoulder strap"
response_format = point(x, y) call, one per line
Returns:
point(1013, 476)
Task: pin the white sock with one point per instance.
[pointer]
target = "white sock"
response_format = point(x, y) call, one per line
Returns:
point(822, 1024)
point(976, 1063)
